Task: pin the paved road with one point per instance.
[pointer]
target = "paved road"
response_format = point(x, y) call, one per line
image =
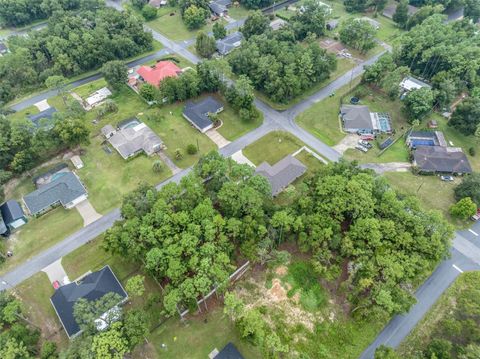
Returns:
point(24, 32)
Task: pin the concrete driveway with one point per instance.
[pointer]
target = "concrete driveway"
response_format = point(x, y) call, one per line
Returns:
point(55, 271)
point(239, 157)
point(217, 138)
point(388, 167)
point(349, 141)
point(87, 212)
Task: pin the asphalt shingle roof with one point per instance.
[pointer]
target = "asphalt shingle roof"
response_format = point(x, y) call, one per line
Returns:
point(282, 173)
point(64, 189)
point(44, 115)
point(11, 211)
point(197, 113)
point(229, 43)
point(441, 159)
point(92, 287)
point(356, 117)
point(230, 351)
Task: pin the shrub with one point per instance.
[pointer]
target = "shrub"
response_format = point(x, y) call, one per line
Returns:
point(149, 12)
point(471, 151)
point(157, 166)
point(178, 154)
point(192, 149)
point(464, 208)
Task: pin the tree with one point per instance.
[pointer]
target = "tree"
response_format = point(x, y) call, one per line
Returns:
point(157, 166)
point(356, 5)
point(72, 132)
point(135, 327)
point(240, 95)
point(192, 149)
point(379, 5)
point(205, 45)
point(58, 82)
point(422, 14)
point(149, 92)
point(49, 350)
point(311, 19)
point(194, 17)
point(401, 13)
point(139, 4)
point(472, 10)
point(255, 24)
point(149, 12)
point(86, 312)
point(470, 187)
point(463, 209)
point(358, 33)
point(14, 350)
point(439, 348)
point(418, 103)
point(466, 116)
point(384, 352)
point(110, 344)
point(135, 286)
point(115, 73)
point(219, 31)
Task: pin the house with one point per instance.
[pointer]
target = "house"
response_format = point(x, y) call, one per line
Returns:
point(43, 118)
point(332, 24)
point(282, 173)
point(157, 3)
point(454, 14)
point(12, 215)
point(160, 71)
point(359, 119)
point(391, 9)
point(230, 351)
point(220, 7)
point(198, 113)
point(374, 23)
point(438, 159)
point(92, 287)
point(229, 43)
point(133, 137)
point(64, 189)
point(425, 138)
point(97, 97)
point(410, 83)
point(277, 24)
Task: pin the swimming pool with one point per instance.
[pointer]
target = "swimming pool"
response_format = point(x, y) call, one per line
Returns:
point(384, 122)
point(130, 124)
point(422, 142)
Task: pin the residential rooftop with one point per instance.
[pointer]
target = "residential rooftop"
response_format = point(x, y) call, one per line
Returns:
point(229, 43)
point(158, 72)
point(197, 113)
point(437, 159)
point(43, 116)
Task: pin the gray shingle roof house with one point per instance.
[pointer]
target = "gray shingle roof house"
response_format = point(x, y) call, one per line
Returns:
point(230, 351)
point(359, 119)
point(91, 287)
point(197, 113)
point(129, 140)
point(12, 214)
point(282, 173)
point(437, 159)
point(220, 7)
point(426, 138)
point(332, 24)
point(229, 43)
point(66, 189)
point(43, 118)
point(410, 83)
point(390, 10)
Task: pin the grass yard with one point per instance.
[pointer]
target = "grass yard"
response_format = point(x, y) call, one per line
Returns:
point(272, 147)
point(198, 337)
point(439, 317)
point(233, 126)
point(86, 90)
point(321, 119)
point(238, 12)
point(41, 233)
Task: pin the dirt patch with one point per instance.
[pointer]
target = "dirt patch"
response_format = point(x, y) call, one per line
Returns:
point(332, 45)
point(277, 292)
point(281, 271)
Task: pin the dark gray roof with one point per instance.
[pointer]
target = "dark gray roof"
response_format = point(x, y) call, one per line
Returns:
point(92, 287)
point(64, 189)
point(226, 3)
point(3, 226)
point(229, 43)
point(454, 14)
point(229, 352)
point(282, 173)
point(441, 159)
point(45, 114)
point(390, 10)
point(217, 8)
point(356, 117)
point(11, 211)
point(197, 113)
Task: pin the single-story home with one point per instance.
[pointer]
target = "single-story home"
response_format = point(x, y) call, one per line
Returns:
point(157, 3)
point(133, 137)
point(158, 72)
point(230, 351)
point(98, 97)
point(220, 7)
point(277, 24)
point(65, 189)
point(391, 9)
point(359, 119)
point(410, 83)
point(332, 24)
point(282, 173)
point(43, 118)
point(438, 159)
point(426, 138)
point(374, 23)
point(198, 113)
point(92, 287)
point(454, 14)
point(229, 43)
point(11, 216)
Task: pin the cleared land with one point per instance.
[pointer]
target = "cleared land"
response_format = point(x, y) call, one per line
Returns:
point(233, 126)
point(272, 147)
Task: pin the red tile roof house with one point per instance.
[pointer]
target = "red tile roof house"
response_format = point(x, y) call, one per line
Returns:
point(155, 74)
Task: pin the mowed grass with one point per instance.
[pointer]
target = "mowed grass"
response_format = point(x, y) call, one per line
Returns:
point(86, 90)
point(197, 337)
point(272, 147)
point(233, 126)
point(41, 233)
point(438, 316)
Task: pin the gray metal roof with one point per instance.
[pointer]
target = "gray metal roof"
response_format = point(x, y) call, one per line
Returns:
point(356, 117)
point(43, 115)
point(197, 113)
point(441, 159)
point(282, 173)
point(230, 351)
point(64, 189)
point(92, 287)
point(217, 8)
point(11, 211)
point(229, 43)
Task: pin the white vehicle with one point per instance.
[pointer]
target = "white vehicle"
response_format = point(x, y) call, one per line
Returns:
point(361, 148)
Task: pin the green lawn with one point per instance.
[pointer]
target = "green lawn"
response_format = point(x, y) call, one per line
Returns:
point(397, 152)
point(198, 337)
point(41, 233)
point(233, 127)
point(238, 12)
point(272, 147)
point(87, 89)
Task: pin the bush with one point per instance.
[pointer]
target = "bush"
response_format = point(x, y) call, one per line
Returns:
point(49, 350)
point(471, 151)
point(149, 12)
point(5, 176)
point(178, 154)
point(157, 166)
point(192, 149)
point(464, 208)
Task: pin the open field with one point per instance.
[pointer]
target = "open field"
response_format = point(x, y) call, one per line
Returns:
point(233, 126)
point(272, 147)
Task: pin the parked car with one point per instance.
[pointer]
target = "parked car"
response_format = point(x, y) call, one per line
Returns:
point(56, 284)
point(367, 137)
point(365, 144)
point(447, 178)
point(476, 216)
point(361, 148)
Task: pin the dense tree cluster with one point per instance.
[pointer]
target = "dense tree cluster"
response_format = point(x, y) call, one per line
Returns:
point(470, 187)
point(281, 68)
point(466, 117)
point(185, 234)
point(256, 4)
point(359, 34)
point(71, 44)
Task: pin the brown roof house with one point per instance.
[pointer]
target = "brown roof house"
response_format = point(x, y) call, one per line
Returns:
point(438, 159)
point(282, 173)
